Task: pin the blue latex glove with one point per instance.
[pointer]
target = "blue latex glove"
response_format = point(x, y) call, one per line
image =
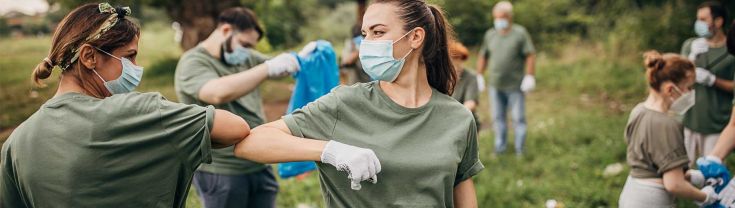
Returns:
point(712, 167)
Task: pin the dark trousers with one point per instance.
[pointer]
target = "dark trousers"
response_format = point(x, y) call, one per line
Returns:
point(256, 189)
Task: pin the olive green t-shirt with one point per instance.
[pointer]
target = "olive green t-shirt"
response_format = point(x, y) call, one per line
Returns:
point(424, 152)
point(711, 113)
point(655, 143)
point(127, 150)
point(506, 55)
point(466, 90)
point(195, 68)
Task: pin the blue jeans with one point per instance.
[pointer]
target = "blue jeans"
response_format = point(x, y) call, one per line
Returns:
point(256, 189)
point(500, 101)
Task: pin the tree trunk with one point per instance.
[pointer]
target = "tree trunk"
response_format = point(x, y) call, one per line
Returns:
point(198, 18)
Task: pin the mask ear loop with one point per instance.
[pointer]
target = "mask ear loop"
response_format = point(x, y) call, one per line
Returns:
point(409, 52)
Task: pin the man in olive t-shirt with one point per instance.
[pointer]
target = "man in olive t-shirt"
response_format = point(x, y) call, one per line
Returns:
point(715, 71)
point(509, 50)
point(224, 70)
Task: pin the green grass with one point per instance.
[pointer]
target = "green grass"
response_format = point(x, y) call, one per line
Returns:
point(576, 119)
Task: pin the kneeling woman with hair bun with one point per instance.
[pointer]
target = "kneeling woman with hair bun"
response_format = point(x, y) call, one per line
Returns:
point(655, 137)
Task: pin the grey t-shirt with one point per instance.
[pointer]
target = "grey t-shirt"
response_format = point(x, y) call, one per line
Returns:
point(424, 152)
point(655, 143)
point(506, 55)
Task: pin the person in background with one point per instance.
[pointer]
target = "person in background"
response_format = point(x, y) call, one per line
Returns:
point(225, 71)
point(655, 139)
point(466, 91)
point(97, 143)
point(426, 140)
point(511, 55)
point(350, 63)
point(715, 70)
point(711, 165)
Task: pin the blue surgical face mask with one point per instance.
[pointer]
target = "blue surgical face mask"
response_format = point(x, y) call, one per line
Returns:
point(702, 29)
point(128, 80)
point(501, 24)
point(238, 56)
point(377, 59)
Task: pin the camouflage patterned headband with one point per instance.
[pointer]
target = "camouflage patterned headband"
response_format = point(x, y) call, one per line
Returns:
point(115, 15)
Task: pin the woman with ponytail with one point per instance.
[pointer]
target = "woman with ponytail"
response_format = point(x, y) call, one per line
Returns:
point(425, 140)
point(97, 143)
point(655, 138)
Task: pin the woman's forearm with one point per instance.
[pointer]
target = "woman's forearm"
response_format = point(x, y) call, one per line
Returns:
point(464, 195)
point(271, 144)
point(726, 142)
point(676, 184)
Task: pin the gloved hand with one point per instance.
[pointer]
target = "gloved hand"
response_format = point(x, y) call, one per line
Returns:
point(696, 178)
point(480, 83)
point(308, 48)
point(528, 83)
point(712, 197)
point(699, 46)
point(360, 164)
point(712, 167)
point(705, 77)
point(282, 65)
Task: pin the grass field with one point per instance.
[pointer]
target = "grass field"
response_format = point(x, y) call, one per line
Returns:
point(576, 119)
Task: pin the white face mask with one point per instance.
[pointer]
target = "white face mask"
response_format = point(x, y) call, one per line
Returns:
point(128, 80)
point(500, 24)
point(682, 104)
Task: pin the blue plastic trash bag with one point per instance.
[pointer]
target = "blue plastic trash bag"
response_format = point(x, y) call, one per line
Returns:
point(318, 75)
point(711, 169)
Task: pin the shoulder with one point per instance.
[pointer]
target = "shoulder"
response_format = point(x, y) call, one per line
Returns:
point(688, 42)
point(449, 107)
point(519, 29)
point(135, 102)
point(490, 32)
point(469, 74)
point(196, 54)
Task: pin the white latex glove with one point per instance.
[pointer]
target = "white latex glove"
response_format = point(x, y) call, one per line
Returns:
point(712, 196)
point(308, 48)
point(480, 83)
point(705, 77)
point(696, 178)
point(282, 65)
point(528, 83)
point(360, 164)
point(699, 46)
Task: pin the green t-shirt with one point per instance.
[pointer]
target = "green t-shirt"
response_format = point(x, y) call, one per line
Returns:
point(655, 143)
point(506, 54)
point(127, 150)
point(711, 113)
point(466, 90)
point(195, 68)
point(424, 152)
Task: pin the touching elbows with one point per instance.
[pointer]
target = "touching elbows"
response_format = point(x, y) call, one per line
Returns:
point(228, 129)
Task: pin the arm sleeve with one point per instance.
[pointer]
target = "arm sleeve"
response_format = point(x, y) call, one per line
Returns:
point(9, 191)
point(528, 47)
point(188, 127)
point(484, 49)
point(668, 151)
point(192, 74)
point(317, 119)
point(470, 164)
point(472, 92)
point(686, 48)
